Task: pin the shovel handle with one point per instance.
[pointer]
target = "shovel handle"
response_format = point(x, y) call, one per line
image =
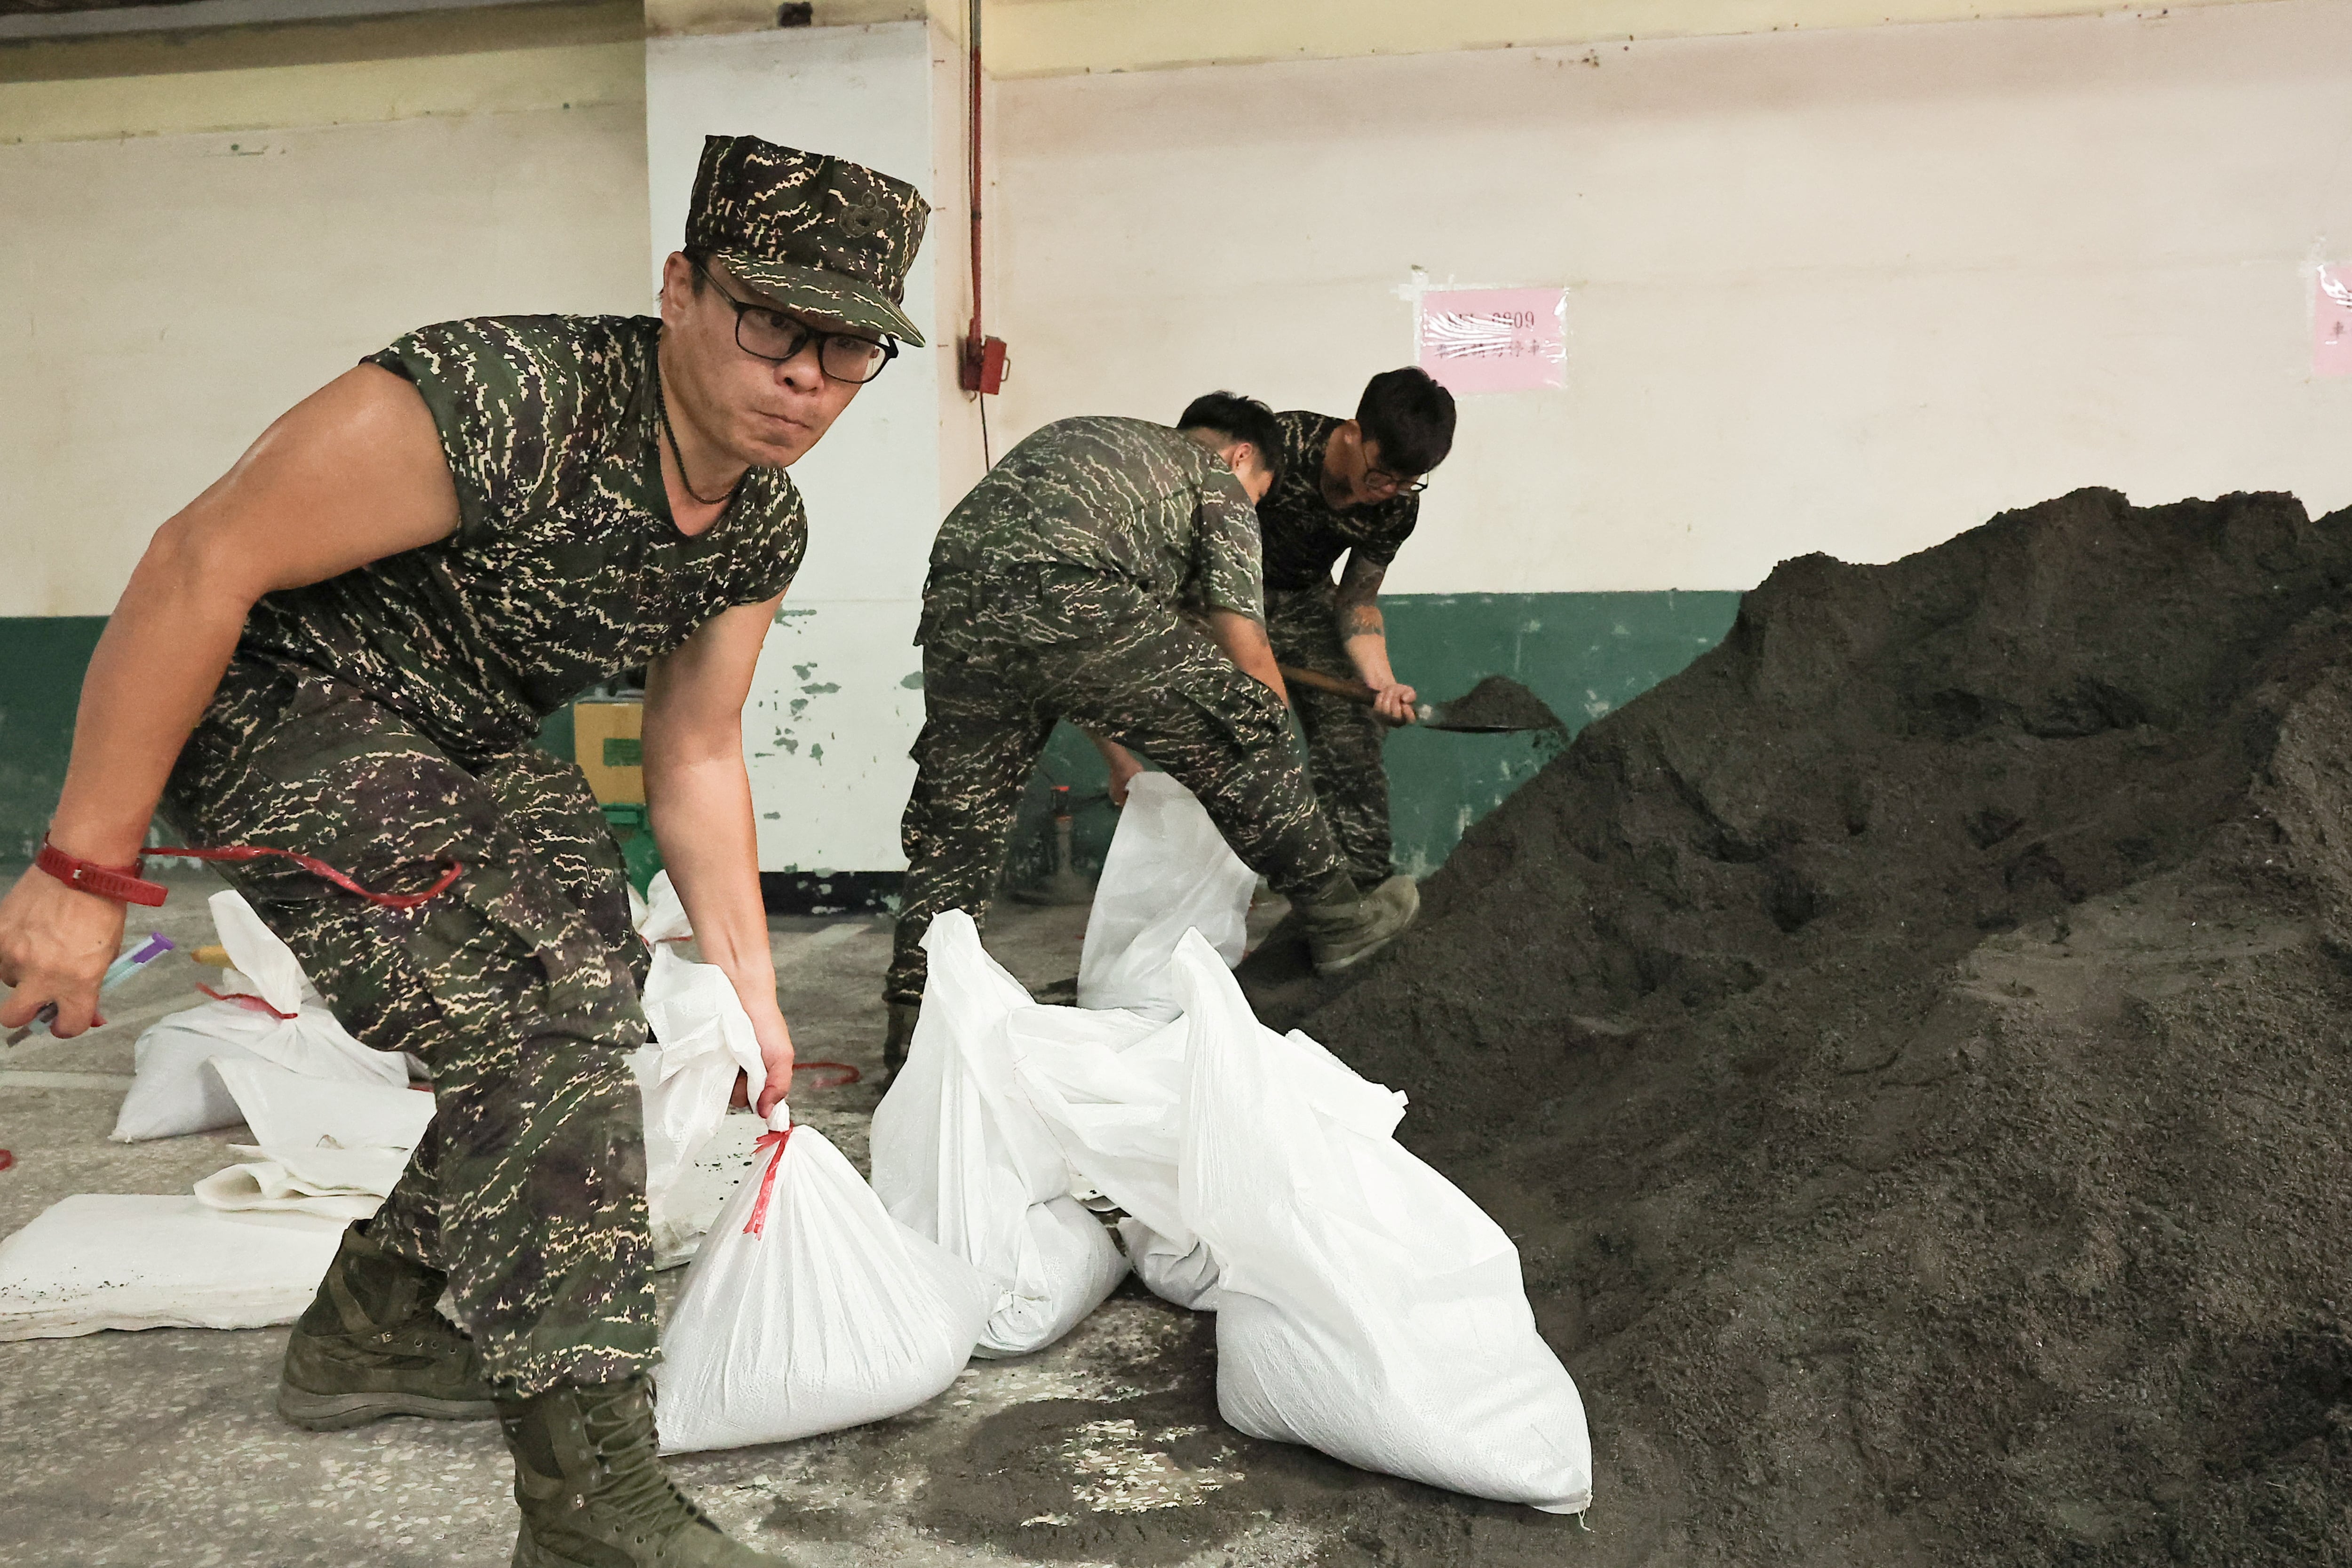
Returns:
point(1353, 691)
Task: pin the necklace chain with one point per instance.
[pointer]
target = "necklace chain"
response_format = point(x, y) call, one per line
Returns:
point(661, 396)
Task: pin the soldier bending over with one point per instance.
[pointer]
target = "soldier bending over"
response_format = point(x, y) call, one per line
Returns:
point(1064, 587)
point(345, 648)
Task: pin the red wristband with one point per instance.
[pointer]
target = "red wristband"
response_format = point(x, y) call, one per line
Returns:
point(122, 883)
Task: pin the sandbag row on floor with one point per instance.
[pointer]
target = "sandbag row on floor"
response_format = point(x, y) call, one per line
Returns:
point(818, 1302)
point(1366, 1306)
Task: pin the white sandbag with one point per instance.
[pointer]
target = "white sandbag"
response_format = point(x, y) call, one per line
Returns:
point(1184, 1276)
point(683, 1212)
point(1109, 1087)
point(959, 1155)
point(292, 1113)
point(703, 1037)
point(335, 1183)
point(809, 1312)
point(93, 1262)
point(268, 965)
point(1365, 1306)
point(661, 917)
point(170, 1092)
point(1169, 871)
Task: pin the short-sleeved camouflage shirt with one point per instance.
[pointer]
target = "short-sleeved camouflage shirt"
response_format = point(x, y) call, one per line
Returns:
point(1305, 535)
point(565, 569)
point(1080, 523)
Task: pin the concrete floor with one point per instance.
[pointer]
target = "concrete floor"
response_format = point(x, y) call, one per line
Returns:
point(161, 1448)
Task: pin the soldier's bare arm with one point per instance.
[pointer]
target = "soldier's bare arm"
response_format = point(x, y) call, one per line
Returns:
point(700, 798)
point(1364, 633)
point(1244, 639)
point(352, 473)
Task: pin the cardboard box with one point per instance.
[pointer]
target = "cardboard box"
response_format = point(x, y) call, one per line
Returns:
point(608, 743)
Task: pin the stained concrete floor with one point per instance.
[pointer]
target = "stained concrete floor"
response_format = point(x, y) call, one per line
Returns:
point(161, 1449)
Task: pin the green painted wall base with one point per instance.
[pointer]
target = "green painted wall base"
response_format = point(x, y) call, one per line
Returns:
point(1584, 654)
point(41, 662)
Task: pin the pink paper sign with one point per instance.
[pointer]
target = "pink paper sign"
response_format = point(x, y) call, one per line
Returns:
point(1494, 340)
point(2331, 320)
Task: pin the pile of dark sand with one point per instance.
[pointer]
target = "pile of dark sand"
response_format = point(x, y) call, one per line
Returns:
point(1910, 1047)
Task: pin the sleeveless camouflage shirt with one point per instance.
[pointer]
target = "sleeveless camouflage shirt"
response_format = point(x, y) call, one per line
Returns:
point(565, 568)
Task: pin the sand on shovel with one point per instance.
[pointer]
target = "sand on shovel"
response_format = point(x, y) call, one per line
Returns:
point(1912, 1047)
point(1497, 702)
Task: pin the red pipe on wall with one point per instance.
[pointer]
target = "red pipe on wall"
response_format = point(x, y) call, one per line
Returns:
point(983, 356)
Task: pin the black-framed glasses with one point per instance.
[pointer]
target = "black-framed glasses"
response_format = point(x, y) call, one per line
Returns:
point(771, 335)
point(1395, 484)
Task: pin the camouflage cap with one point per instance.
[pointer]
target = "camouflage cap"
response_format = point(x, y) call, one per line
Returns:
point(815, 232)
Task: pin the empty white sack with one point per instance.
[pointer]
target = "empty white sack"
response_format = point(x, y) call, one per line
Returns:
point(827, 1313)
point(333, 1184)
point(1169, 870)
point(98, 1262)
point(287, 1111)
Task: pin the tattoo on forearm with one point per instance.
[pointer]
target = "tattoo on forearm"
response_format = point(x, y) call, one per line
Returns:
point(1359, 599)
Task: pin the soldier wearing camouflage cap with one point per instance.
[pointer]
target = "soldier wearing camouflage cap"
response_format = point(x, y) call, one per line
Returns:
point(345, 648)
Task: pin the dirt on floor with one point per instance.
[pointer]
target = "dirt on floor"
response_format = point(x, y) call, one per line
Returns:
point(1910, 1047)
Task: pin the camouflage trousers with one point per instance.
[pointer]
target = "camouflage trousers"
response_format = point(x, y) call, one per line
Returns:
point(518, 987)
point(1151, 682)
point(1343, 737)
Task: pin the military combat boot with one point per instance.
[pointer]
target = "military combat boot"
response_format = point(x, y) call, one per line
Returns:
point(594, 1494)
point(902, 1035)
point(373, 1344)
point(1345, 927)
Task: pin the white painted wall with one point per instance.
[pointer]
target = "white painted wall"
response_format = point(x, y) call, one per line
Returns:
point(836, 703)
point(164, 298)
point(1850, 292)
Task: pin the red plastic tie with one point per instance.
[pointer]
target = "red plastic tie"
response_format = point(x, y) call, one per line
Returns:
point(6, 1159)
point(775, 1141)
point(247, 999)
point(313, 864)
point(850, 1073)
